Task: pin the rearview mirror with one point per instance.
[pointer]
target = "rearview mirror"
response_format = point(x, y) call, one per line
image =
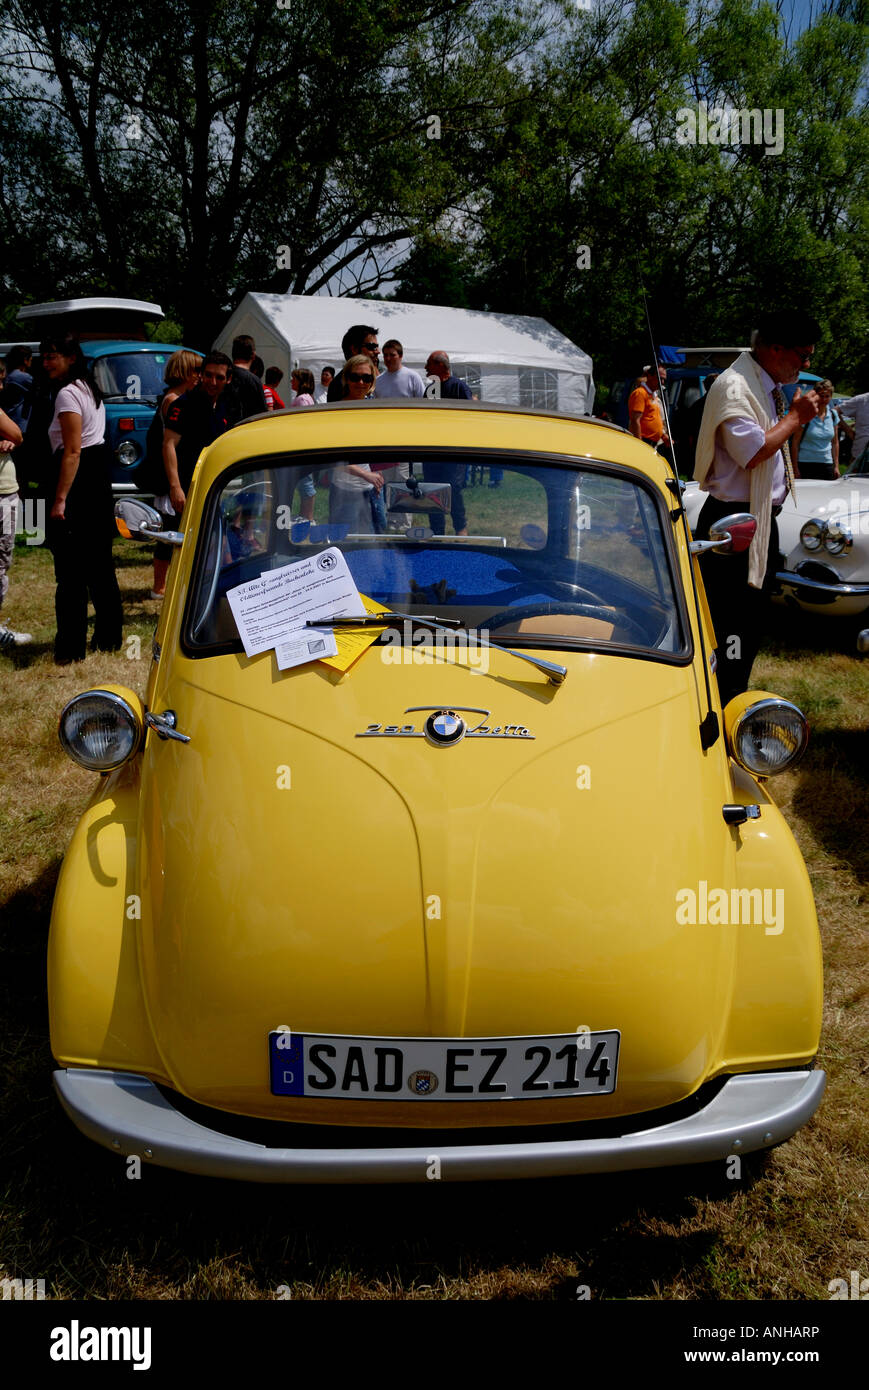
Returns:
point(415, 496)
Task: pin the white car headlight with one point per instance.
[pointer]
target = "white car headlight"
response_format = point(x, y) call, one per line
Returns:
point(836, 538)
point(812, 535)
point(768, 737)
point(100, 730)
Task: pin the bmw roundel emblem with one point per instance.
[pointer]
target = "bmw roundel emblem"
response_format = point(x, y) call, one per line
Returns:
point(444, 728)
point(422, 1083)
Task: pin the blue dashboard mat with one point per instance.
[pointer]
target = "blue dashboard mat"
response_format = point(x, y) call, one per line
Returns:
point(476, 577)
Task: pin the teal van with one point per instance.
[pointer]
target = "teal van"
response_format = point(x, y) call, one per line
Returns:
point(127, 367)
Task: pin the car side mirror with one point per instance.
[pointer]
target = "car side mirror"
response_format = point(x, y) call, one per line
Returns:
point(731, 535)
point(136, 521)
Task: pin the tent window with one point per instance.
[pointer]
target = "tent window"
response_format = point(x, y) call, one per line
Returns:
point(538, 388)
point(471, 374)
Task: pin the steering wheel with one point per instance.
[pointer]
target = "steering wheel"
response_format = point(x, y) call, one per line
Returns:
point(584, 610)
point(578, 589)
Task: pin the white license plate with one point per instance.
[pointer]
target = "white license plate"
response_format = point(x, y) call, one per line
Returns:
point(562, 1064)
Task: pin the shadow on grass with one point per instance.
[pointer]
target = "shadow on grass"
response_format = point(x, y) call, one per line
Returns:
point(832, 795)
point(23, 657)
point(793, 634)
point(70, 1214)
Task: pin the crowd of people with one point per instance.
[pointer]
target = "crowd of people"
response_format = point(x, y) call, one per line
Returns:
point(60, 423)
point(748, 442)
point(817, 451)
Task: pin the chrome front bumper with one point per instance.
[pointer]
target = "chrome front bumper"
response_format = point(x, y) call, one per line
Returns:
point(128, 1114)
point(845, 599)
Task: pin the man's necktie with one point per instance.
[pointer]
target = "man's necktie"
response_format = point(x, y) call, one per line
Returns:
point(781, 412)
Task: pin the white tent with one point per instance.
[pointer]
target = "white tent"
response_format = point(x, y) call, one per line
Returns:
point(509, 358)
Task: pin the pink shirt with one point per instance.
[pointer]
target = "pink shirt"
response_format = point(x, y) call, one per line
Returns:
point(736, 443)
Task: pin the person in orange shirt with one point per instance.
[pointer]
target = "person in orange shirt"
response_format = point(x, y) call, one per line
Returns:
point(644, 407)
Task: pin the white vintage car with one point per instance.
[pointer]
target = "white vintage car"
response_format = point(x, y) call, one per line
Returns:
point(824, 543)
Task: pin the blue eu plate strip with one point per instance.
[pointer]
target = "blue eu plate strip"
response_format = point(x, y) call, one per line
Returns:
point(287, 1064)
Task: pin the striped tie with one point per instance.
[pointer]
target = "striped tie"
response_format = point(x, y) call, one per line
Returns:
point(781, 411)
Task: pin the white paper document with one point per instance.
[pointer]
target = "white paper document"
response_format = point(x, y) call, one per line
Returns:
point(308, 644)
point(269, 609)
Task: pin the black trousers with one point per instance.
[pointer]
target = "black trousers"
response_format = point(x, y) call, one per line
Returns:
point(454, 474)
point(738, 610)
point(84, 565)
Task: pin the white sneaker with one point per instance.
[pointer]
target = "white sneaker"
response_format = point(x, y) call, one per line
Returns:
point(9, 638)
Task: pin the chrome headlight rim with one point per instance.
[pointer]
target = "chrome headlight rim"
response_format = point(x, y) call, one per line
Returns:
point(837, 539)
point(127, 454)
point(812, 535)
point(767, 705)
point(119, 706)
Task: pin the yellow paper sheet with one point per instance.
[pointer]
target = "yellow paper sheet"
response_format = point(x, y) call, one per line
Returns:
point(353, 641)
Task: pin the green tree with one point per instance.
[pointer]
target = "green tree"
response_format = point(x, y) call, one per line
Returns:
point(188, 151)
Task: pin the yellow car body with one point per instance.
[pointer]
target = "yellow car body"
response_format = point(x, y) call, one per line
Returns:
point(303, 867)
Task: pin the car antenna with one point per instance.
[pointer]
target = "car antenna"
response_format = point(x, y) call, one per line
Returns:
point(709, 728)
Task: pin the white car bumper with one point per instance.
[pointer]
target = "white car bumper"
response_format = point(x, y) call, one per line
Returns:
point(129, 1114)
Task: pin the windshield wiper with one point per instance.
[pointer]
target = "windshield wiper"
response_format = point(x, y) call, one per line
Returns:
point(554, 674)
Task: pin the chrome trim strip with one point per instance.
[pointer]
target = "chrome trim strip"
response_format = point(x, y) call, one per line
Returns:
point(799, 581)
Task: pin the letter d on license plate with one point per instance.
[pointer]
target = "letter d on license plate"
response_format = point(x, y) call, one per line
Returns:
point(434, 1069)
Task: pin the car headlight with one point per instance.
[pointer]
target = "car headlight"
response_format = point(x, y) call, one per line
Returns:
point(101, 729)
point(127, 453)
point(836, 538)
point(812, 535)
point(765, 735)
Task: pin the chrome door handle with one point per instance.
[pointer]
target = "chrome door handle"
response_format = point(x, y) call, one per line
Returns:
point(164, 725)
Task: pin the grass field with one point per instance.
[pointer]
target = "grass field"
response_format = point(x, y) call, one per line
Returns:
point(68, 1213)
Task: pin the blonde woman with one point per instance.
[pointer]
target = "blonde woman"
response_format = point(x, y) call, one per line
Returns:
point(181, 374)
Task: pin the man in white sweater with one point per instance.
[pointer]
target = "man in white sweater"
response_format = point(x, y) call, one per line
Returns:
point(743, 462)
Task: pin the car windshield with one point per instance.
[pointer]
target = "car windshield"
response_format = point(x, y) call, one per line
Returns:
point(131, 376)
point(535, 554)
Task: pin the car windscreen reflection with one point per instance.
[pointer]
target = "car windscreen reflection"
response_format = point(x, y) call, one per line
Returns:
point(537, 554)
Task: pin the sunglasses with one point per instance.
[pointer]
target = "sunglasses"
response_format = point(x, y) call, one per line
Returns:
point(804, 354)
point(359, 376)
point(371, 347)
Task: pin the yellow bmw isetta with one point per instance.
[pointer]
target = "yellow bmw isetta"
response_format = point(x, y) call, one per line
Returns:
point(431, 844)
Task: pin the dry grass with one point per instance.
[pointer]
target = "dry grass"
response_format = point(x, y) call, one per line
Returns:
point(796, 1220)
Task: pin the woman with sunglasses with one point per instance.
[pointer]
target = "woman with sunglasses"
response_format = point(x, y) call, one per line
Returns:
point(81, 523)
point(353, 486)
